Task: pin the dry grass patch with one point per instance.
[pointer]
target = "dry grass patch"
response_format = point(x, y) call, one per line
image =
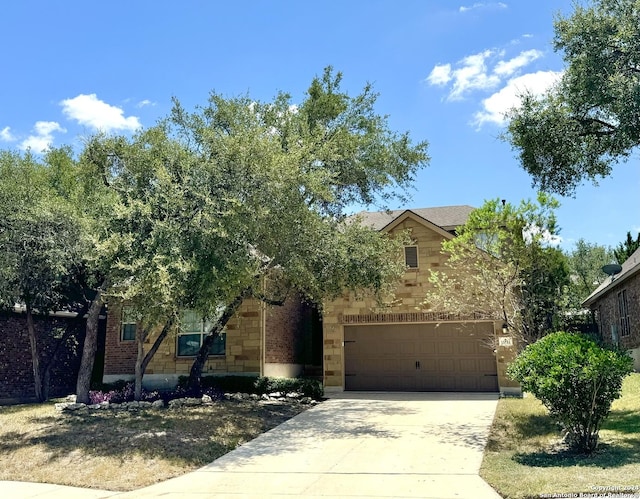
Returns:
point(126, 450)
point(525, 456)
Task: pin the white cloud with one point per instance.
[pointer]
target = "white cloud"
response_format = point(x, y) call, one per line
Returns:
point(495, 107)
point(90, 111)
point(507, 68)
point(43, 136)
point(6, 135)
point(472, 75)
point(482, 71)
point(440, 74)
point(145, 102)
point(480, 5)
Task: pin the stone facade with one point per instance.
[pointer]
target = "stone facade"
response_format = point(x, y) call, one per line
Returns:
point(352, 308)
point(253, 327)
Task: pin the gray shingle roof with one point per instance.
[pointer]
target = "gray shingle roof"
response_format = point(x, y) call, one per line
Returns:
point(447, 217)
point(629, 267)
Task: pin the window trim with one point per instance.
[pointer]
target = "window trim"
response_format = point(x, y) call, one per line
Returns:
point(204, 328)
point(406, 260)
point(124, 322)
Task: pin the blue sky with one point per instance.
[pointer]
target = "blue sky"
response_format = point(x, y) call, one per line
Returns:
point(445, 71)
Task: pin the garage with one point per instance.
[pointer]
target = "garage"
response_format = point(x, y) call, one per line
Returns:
point(446, 356)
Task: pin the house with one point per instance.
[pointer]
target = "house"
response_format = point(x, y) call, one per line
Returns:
point(260, 340)
point(356, 346)
point(616, 306)
point(401, 347)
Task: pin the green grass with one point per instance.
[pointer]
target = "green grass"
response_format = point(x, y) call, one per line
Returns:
point(525, 456)
point(125, 450)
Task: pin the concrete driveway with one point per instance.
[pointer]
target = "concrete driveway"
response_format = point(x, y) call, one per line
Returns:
point(364, 445)
point(425, 445)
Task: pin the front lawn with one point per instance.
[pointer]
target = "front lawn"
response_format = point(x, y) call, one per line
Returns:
point(525, 456)
point(124, 450)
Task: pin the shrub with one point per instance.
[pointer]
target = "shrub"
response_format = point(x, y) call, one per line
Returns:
point(260, 385)
point(576, 379)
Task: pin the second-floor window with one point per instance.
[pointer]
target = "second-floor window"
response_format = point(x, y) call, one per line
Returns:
point(411, 256)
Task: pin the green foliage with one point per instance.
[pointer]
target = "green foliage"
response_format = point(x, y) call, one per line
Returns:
point(626, 248)
point(576, 379)
point(261, 385)
point(500, 266)
point(585, 266)
point(590, 119)
point(41, 244)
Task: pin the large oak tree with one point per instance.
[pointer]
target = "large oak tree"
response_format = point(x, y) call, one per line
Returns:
point(591, 119)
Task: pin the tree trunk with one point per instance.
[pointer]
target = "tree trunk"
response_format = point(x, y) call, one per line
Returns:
point(89, 350)
point(35, 358)
point(142, 360)
point(198, 364)
point(138, 372)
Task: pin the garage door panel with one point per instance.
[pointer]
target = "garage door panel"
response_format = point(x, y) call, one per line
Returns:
point(423, 357)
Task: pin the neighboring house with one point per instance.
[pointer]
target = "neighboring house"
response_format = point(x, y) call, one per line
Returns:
point(616, 305)
point(16, 368)
point(402, 348)
point(260, 340)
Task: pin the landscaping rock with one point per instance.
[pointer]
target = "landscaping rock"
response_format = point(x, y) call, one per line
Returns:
point(158, 404)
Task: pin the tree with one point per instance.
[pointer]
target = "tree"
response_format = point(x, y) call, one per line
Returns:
point(276, 180)
point(576, 379)
point(585, 266)
point(626, 248)
point(244, 199)
point(499, 266)
point(591, 119)
point(41, 247)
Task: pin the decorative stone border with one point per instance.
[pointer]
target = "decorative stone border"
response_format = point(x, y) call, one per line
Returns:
point(71, 406)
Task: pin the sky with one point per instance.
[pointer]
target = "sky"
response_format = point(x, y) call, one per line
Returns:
point(446, 71)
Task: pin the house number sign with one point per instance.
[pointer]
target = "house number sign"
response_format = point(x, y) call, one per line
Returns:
point(505, 341)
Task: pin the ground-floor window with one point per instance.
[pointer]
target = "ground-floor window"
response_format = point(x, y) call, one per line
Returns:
point(193, 330)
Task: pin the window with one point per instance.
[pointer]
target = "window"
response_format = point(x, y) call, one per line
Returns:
point(127, 324)
point(623, 310)
point(411, 256)
point(193, 331)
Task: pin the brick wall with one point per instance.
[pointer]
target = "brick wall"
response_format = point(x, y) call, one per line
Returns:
point(608, 314)
point(119, 356)
point(16, 372)
point(284, 332)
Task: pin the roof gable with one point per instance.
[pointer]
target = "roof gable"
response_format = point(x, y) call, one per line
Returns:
point(446, 218)
point(630, 267)
point(410, 214)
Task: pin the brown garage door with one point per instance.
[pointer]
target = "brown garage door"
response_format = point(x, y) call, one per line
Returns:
point(420, 357)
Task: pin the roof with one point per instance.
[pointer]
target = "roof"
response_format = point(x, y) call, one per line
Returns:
point(630, 267)
point(446, 217)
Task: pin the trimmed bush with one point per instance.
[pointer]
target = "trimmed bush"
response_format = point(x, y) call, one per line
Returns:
point(576, 379)
point(260, 385)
